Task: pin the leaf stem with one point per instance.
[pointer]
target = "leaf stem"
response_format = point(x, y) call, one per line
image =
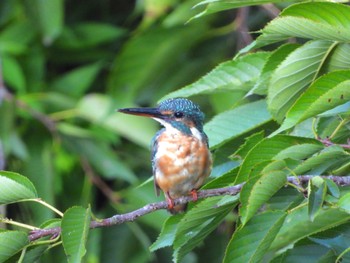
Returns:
point(40, 201)
point(15, 223)
point(340, 125)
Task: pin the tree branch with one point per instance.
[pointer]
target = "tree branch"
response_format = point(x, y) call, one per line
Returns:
point(149, 208)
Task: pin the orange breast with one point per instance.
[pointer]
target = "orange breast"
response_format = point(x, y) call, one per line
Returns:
point(182, 163)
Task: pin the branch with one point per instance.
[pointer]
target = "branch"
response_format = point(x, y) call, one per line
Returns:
point(327, 142)
point(149, 208)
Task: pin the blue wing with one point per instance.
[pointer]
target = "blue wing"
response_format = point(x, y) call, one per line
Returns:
point(154, 148)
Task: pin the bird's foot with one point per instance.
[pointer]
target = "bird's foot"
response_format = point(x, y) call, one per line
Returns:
point(194, 195)
point(169, 201)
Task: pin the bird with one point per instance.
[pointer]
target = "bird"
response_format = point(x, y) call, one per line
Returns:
point(181, 159)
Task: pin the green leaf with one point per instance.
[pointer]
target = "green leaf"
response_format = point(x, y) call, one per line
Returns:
point(13, 74)
point(102, 158)
point(267, 150)
point(273, 61)
point(297, 225)
point(129, 73)
point(12, 242)
point(317, 194)
point(332, 188)
point(88, 35)
point(78, 81)
point(294, 74)
point(250, 243)
point(199, 222)
point(318, 164)
point(250, 142)
point(100, 109)
point(240, 74)
point(299, 152)
point(48, 15)
point(15, 188)
point(258, 191)
point(75, 228)
point(339, 59)
point(214, 6)
point(344, 202)
point(167, 235)
point(324, 94)
point(224, 126)
point(326, 21)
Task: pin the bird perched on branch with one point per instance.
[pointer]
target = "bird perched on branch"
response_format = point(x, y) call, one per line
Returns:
point(181, 159)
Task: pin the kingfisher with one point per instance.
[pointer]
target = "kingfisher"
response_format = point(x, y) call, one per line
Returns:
point(181, 159)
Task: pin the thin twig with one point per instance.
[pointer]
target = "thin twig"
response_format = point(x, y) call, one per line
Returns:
point(149, 208)
point(98, 182)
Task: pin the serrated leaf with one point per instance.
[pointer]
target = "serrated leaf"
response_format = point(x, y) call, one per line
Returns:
point(75, 228)
point(266, 150)
point(251, 242)
point(12, 242)
point(318, 164)
point(258, 191)
point(294, 74)
point(167, 235)
point(199, 222)
point(271, 64)
point(326, 21)
point(317, 196)
point(15, 187)
point(339, 59)
point(344, 202)
point(214, 6)
point(249, 116)
point(324, 94)
point(297, 225)
point(249, 143)
point(239, 74)
point(299, 152)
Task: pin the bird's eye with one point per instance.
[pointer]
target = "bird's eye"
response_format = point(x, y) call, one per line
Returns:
point(178, 114)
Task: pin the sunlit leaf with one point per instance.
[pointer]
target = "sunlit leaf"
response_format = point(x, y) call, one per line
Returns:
point(75, 228)
point(326, 93)
point(224, 126)
point(15, 187)
point(294, 75)
point(326, 21)
point(271, 64)
point(239, 74)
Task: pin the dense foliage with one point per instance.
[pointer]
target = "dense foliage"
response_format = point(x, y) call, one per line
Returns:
point(278, 108)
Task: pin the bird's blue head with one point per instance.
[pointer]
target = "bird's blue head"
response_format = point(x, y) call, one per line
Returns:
point(180, 113)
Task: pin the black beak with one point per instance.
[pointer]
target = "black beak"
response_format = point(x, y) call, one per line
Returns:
point(146, 112)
